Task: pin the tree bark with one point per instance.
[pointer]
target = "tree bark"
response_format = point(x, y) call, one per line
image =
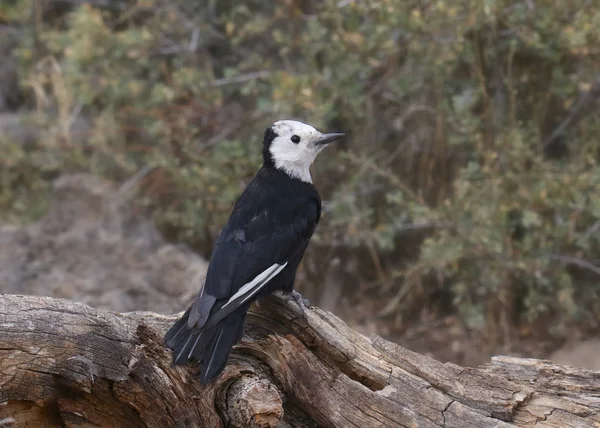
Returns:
point(65, 364)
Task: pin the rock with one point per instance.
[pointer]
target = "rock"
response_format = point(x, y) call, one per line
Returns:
point(91, 247)
point(580, 354)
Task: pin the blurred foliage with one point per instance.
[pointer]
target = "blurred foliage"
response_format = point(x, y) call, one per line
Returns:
point(469, 181)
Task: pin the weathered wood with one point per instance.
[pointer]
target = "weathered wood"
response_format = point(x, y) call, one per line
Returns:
point(66, 364)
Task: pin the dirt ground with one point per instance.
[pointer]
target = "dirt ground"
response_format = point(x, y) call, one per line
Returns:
point(92, 247)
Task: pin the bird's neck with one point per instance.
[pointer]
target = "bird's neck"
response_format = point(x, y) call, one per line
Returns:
point(297, 171)
point(290, 171)
point(295, 164)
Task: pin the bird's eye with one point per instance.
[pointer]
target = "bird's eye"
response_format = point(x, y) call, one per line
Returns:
point(295, 139)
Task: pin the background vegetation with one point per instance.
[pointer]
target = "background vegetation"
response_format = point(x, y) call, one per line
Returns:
point(468, 186)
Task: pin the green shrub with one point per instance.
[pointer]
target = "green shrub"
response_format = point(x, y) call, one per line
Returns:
point(453, 177)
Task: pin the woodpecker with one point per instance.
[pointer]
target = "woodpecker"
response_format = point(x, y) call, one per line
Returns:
point(258, 250)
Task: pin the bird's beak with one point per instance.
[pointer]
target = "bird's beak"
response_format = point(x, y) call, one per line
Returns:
point(329, 138)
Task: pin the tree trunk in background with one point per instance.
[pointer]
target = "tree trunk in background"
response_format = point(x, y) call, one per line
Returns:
point(66, 364)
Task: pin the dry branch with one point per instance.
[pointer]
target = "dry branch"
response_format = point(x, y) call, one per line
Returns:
point(66, 364)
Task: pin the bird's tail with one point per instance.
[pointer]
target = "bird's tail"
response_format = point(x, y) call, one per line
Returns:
point(210, 347)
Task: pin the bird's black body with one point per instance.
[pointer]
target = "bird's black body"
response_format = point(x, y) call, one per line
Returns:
point(271, 223)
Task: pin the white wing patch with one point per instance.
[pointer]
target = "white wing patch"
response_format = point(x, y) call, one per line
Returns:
point(250, 289)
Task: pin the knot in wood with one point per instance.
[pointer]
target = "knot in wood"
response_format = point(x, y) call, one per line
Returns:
point(254, 403)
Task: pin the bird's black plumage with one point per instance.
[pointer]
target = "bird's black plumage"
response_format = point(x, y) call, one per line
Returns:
point(270, 227)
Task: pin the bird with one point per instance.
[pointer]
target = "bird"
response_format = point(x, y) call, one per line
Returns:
point(258, 251)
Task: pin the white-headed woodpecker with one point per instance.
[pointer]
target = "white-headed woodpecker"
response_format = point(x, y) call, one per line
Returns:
point(258, 251)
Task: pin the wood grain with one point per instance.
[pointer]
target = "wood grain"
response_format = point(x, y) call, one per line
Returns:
point(65, 364)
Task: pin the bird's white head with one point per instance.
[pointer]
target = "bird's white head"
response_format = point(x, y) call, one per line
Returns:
point(292, 146)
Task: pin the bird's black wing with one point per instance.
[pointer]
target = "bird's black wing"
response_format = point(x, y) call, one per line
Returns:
point(258, 251)
point(261, 237)
point(260, 246)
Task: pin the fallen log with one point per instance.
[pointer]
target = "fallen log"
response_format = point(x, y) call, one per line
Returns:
point(65, 364)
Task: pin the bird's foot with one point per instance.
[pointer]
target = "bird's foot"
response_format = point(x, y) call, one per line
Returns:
point(303, 303)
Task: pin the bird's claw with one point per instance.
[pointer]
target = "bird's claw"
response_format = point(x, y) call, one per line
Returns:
point(303, 303)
